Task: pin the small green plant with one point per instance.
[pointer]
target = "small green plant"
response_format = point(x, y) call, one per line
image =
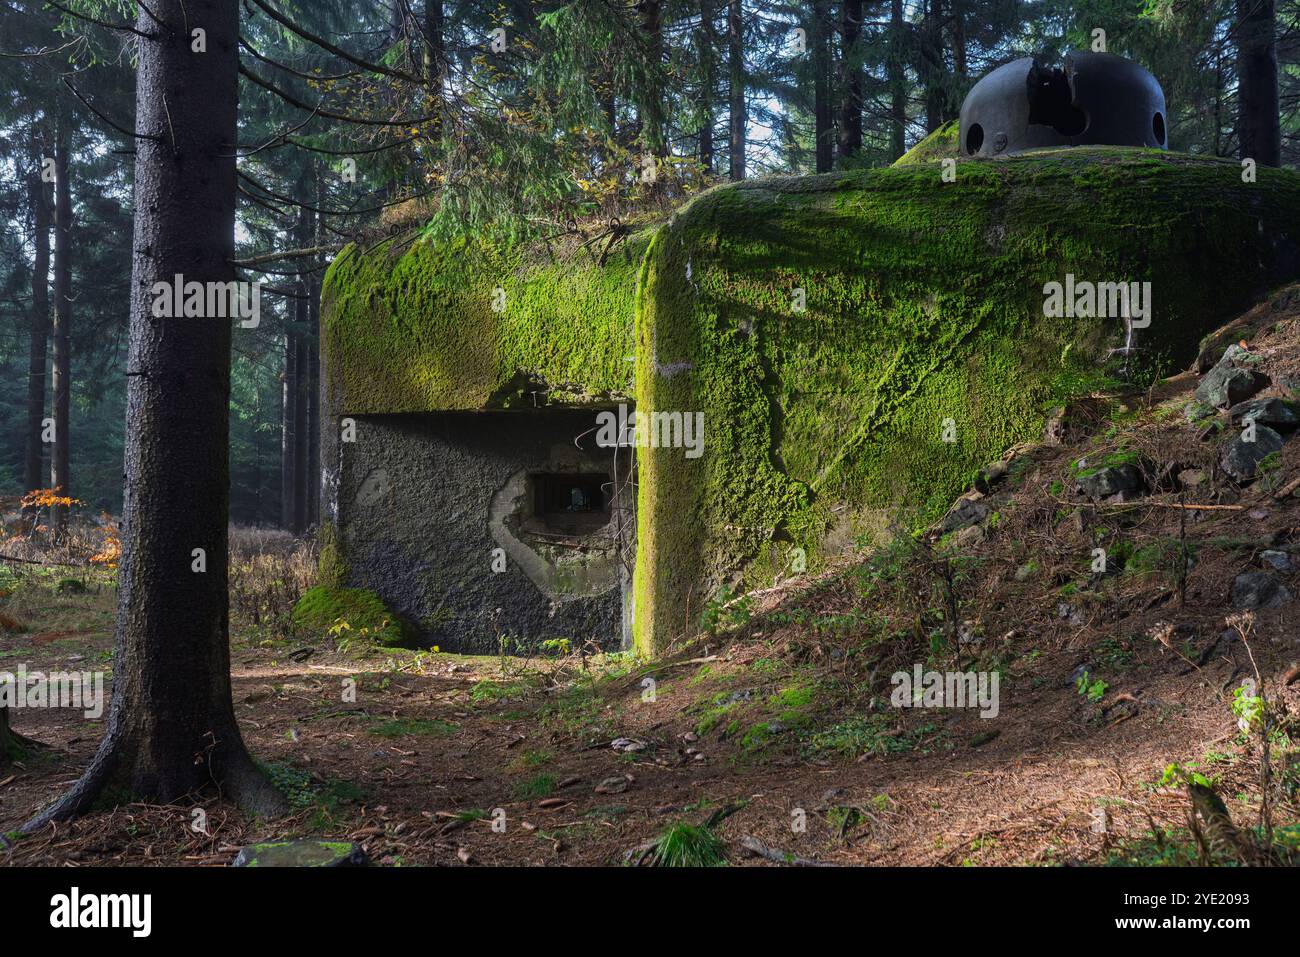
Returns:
point(688, 845)
point(1177, 775)
point(725, 611)
point(1247, 707)
point(1094, 689)
point(557, 646)
point(543, 785)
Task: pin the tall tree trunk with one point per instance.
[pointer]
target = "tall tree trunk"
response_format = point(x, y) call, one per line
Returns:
point(896, 71)
point(850, 79)
point(61, 381)
point(313, 464)
point(289, 427)
point(303, 322)
point(33, 453)
point(708, 82)
point(1259, 125)
point(13, 746)
point(930, 65)
point(952, 105)
point(7, 749)
point(172, 729)
point(654, 137)
point(819, 36)
point(736, 69)
point(435, 60)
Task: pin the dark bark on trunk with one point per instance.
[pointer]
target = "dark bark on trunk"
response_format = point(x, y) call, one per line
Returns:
point(736, 69)
point(435, 59)
point(708, 82)
point(33, 453)
point(958, 42)
point(61, 380)
point(952, 107)
point(435, 52)
point(897, 77)
point(303, 327)
point(8, 747)
point(819, 36)
point(1259, 125)
point(172, 728)
point(850, 79)
point(653, 134)
point(930, 65)
point(14, 746)
point(311, 471)
point(289, 429)
point(313, 466)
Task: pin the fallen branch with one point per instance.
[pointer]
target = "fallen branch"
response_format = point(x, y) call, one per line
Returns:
point(1287, 489)
point(759, 849)
point(35, 561)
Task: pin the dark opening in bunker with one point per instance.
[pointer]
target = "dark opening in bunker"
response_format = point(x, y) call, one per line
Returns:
point(569, 503)
point(1051, 101)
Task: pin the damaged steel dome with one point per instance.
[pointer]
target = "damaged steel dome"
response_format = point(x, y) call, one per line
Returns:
point(1094, 99)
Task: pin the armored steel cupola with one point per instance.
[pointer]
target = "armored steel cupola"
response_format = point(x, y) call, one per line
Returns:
point(1092, 99)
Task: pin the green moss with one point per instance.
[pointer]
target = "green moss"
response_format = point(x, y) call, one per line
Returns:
point(940, 144)
point(924, 308)
point(321, 608)
point(414, 329)
point(332, 568)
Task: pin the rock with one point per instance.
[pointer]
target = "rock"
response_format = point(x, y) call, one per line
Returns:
point(1054, 429)
point(1082, 673)
point(1196, 411)
point(627, 744)
point(990, 476)
point(1258, 590)
point(1071, 613)
point(1241, 459)
point(1122, 480)
point(1271, 411)
point(615, 784)
point(1276, 559)
point(966, 512)
point(1231, 380)
point(304, 853)
point(1223, 387)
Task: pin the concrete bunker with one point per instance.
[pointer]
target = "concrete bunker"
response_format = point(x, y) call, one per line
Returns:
point(920, 312)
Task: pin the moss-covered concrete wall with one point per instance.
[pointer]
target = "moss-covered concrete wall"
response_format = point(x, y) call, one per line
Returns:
point(832, 329)
point(422, 327)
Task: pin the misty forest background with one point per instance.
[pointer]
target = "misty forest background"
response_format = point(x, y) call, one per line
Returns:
point(442, 130)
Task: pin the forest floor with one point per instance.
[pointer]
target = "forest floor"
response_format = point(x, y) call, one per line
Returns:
point(771, 737)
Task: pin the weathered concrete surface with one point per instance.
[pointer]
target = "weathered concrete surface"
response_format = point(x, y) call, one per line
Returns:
point(429, 504)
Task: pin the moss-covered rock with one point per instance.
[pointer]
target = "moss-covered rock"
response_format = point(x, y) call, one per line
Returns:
point(303, 853)
point(322, 608)
point(921, 350)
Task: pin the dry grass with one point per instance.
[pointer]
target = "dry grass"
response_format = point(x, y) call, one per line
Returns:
point(269, 571)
